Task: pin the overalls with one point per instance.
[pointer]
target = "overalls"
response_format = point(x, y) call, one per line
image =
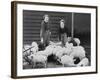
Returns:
point(45, 33)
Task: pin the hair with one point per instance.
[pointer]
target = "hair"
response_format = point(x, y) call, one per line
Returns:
point(45, 15)
point(62, 20)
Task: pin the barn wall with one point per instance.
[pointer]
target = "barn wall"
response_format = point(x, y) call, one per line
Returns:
point(32, 23)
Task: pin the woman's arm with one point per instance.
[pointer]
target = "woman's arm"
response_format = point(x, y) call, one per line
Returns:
point(42, 31)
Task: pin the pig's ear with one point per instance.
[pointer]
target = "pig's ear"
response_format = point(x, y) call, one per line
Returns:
point(77, 40)
point(81, 64)
point(31, 57)
point(71, 44)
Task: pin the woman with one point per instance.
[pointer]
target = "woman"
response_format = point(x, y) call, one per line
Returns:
point(45, 30)
point(62, 32)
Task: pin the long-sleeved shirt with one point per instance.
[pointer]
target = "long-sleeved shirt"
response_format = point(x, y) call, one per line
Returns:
point(62, 31)
point(44, 27)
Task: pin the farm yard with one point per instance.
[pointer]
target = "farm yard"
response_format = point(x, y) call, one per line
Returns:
point(55, 55)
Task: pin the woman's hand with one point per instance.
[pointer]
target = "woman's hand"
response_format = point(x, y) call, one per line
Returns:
point(41, 40)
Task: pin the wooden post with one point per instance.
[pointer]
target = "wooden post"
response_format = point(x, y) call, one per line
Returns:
point(72, 30)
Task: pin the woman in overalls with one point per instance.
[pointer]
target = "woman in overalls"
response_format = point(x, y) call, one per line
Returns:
point(45, 30)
